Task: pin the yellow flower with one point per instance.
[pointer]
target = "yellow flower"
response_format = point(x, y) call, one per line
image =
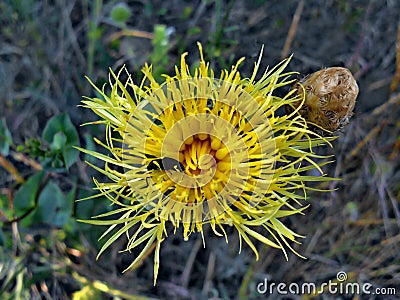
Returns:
point(199, 151)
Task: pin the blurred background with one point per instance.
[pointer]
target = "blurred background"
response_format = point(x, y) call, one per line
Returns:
point(46, 50)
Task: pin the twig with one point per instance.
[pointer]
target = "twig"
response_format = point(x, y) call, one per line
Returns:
point(209, 274)
point(381, 184)
point(130, 32)
point(72, 36)
point(242, 294)
point(362, 39)
point(91, 36)
point(392, 240)
point(395, 99)
point(362, 143)
point(292, 29)
point(396, 150)
point(190, 262)
point(26, 160)
point(314, 240)
point(369, 222)
point(198, 12)
point(10, 168)
point(396, 76)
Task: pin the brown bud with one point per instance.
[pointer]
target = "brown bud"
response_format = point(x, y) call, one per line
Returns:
point(330, 96)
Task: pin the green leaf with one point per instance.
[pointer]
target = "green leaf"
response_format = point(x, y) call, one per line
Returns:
point(159, 57)
point(60, 132)
point(64, 209)
point(160, 41)
point(2, 238)
point(59, 141)
point(5, 138)
point(91, 146)
point(53, 207)
point(25, 197)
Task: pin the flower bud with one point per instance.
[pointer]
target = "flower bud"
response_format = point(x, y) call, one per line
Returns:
point(330, 96)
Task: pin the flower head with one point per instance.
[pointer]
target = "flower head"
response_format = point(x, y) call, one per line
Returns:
point(330, 96)
point(199, 151)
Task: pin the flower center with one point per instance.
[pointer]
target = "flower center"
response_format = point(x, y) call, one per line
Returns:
point(201, 153)
point(204, 170)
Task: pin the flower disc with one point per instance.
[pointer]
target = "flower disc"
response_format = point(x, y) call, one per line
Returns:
point(197, 146)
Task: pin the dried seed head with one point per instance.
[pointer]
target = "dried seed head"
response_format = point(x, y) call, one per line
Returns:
point(330, 96)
